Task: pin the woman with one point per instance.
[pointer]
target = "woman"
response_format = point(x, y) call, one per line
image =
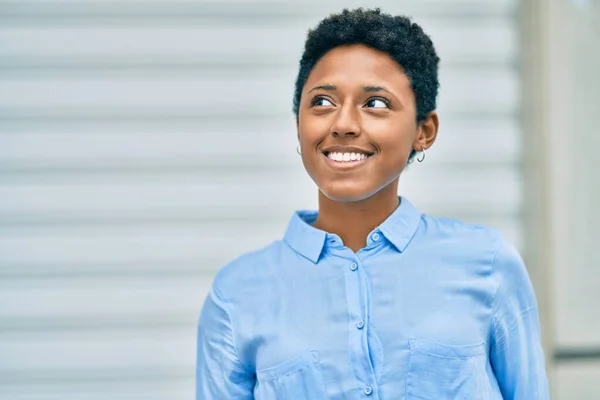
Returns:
point(368, 298)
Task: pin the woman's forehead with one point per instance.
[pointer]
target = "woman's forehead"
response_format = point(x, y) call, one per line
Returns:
point(356, 66)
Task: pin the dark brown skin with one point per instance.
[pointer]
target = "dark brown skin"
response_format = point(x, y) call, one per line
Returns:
point(360, 97)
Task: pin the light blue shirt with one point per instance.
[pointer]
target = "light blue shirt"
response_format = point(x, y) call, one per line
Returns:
point(430, 309)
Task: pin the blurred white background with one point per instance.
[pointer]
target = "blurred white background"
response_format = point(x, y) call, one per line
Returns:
point(143, 144)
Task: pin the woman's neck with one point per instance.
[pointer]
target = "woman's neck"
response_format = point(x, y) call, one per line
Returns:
point(353, 221)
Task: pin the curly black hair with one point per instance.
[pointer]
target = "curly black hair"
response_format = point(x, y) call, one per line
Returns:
point(397, 36)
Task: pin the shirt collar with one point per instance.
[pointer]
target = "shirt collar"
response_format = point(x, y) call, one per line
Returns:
point(308, 241)
point(400, 227)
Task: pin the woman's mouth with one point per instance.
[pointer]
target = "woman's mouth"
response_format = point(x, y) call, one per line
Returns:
point(346, 160)
point(346, 157)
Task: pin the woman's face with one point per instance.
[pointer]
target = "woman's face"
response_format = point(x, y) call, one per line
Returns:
point(357, 123)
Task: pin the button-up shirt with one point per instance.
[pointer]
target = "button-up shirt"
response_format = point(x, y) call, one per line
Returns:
point(430, 308)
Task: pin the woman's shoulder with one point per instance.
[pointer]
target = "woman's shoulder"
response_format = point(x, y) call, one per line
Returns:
point(249, 266)
point(452, 227)
point(471, 237)
point(482, 243)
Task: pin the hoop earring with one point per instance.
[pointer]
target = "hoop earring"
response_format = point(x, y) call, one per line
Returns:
point(298, 150)
point(422, 158)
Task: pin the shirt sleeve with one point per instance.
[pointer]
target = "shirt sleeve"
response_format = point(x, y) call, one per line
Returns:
point(219, 373)
point(516, 350)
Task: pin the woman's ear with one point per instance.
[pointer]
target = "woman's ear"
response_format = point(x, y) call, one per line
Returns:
point(427, 132)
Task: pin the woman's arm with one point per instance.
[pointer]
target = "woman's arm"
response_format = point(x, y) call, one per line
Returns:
point(516, 351)
point(219, 373)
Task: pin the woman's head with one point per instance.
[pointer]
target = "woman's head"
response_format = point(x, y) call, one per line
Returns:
point(366, 91)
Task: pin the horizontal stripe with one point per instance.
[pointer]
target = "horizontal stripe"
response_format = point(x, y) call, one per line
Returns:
point(246, 12)
point(82, 323)
point(154, 218)
point(57, 376)
point(574, 354)
point(152, 268)
point(215, 168)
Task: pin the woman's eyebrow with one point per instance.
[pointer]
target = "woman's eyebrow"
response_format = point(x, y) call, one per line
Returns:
point(366, 89)
point(327, 87)
point(369, 89)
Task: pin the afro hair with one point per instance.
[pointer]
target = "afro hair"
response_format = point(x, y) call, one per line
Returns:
point(397, 36)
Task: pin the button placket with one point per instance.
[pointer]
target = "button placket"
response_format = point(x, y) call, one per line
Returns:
point(357, 300)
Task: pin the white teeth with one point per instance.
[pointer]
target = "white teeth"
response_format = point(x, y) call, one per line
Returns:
point(346, 157)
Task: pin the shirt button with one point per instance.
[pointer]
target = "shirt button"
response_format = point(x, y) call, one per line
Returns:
point(368, 390)
point(360, 324)
point(375, 236)
point(354, 266)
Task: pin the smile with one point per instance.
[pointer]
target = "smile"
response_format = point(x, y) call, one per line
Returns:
point(346, 160)
point(346, 157)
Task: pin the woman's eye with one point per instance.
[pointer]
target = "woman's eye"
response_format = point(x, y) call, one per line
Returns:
point(321, 102)
point(377, 103)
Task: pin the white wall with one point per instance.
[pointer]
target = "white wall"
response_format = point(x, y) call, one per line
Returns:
point(143, 144)
point(562, 138)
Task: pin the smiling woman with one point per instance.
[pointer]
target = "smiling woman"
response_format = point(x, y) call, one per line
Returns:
point(359, 98)
point(367, 297)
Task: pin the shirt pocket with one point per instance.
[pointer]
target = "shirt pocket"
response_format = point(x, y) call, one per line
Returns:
point(439, 372)
point(300, 378)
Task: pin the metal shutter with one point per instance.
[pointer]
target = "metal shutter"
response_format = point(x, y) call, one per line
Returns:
point(143, 144)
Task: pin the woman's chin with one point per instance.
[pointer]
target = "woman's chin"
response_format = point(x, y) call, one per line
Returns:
point(347, 194)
